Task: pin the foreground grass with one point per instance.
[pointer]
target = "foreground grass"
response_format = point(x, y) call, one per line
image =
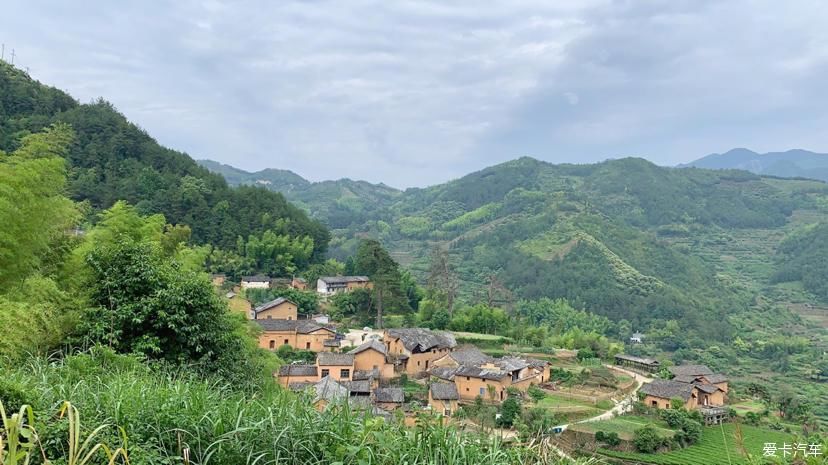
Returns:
point(164, 413)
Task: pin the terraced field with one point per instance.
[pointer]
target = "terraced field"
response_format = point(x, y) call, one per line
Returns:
point(624, 425)
point(718, 445)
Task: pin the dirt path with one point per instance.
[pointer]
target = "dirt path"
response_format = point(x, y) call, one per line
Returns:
point(624, 406)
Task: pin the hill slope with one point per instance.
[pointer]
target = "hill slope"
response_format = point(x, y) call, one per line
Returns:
point(791, 164)
point(113, 159)
point(623, 238)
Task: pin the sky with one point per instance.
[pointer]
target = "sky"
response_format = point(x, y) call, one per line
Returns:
point(416, 93)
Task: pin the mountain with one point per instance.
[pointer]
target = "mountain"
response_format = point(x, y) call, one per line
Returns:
point(339, 203)
point(623, 238)
point(790, 164)
point(113, 159)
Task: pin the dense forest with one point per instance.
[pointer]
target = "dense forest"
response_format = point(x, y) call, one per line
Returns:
point(112, 159)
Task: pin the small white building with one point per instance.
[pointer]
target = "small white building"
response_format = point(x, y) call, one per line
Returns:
point(637, 338)
point(321, 318)
point(255, 282)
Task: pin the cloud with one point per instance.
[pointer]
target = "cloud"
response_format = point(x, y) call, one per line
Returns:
point(413, 93)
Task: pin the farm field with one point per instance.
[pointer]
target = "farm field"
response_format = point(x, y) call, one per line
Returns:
point(624, 425)
point(572, 409)
point(717, 445)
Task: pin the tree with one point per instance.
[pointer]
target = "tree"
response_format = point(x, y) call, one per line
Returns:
point(373, 260)
point(34, 213)
point(647, 440)
point(509, 411)
point(442, 280)
point(142, 302)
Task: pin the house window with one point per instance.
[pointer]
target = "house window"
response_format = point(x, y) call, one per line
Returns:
point(447, 412)
point(426, 364)
point(482, 391)
point(286, 342)
point(345, 373)
point(468, 379)
point(655, 403)
point(290, 318)
point(272, 345)
point(418, 363)
point(325, 372)
point(467, 389)
point(270, 317)
point(376, 367)
point(307, 345)
point(501, 395)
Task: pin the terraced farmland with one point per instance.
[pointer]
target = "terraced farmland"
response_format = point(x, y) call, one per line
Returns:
point(718, 445)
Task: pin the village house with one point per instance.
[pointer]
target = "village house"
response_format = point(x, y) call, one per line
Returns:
point(648, 365)
point(239, 304)
point(414, 349)
point(277, 309)
point(328, 391)
point(443, 398)
point(699, 375)
point(294, 374)
point(330, 285)
point(299, 284)
point(390, 398)
point(477, 374)
point(218, 279)
point(321, 318)
point(372, 356)
point(696, 386)
point(637, 338)
point(337, 366)
point(301, 335)
point(255, 282)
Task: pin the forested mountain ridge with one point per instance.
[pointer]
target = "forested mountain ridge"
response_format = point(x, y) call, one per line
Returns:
point(623, 238)
point(792, 163)
point(113, 159)
point(338, 203)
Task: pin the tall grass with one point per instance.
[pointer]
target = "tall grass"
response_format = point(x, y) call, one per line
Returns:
point(166, 414)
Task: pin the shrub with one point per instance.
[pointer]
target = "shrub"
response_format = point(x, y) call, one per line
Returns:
point(509, 411)
point(537, 394)
point(647, 440)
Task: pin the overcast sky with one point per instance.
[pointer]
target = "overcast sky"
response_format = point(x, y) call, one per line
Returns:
point(415, 93)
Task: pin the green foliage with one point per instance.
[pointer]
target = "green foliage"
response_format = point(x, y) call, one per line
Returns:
point(307, 302)
point(611, 438)
point(144, 303)
point(803, 255)
point(112, 159)
point(373, 260)
point(480, 318)
point(33, 211)
point(162, 412)
point(647, 440)
point(537, 394)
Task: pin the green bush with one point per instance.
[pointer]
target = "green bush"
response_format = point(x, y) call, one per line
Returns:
point(537, 394)
point(647, 440)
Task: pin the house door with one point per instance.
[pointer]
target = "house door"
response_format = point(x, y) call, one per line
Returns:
point(307, 345)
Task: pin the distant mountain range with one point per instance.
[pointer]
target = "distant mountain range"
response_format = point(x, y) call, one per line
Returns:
point(791, 164)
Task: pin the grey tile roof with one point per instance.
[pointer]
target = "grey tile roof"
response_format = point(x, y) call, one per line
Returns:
point(708, 388)
point(685, 378)
point(444, 391)
point(331, 343)
point(297, 370)
point(481, 373)
point(300, 386)
point(512, 363)
point(371, 344)
point(271, 304)
point(395, 395)
point(716, 378)
point(344, 279)
point(697, 370)
point(358, 387)
point(668, 389)
point(446, 373)
point(334, 359)
point(360, 375)
point(259, 278)
point(300, 326)
point(634, 359)
point(422, 339)
point(469, 355)
point(327, 388)
point(537, 363)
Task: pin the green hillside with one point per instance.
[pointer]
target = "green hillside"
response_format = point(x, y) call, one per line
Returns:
point(113, 159)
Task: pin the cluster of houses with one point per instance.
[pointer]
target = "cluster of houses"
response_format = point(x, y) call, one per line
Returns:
point(366, 373)
point(696, 386)
point(325, 286)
